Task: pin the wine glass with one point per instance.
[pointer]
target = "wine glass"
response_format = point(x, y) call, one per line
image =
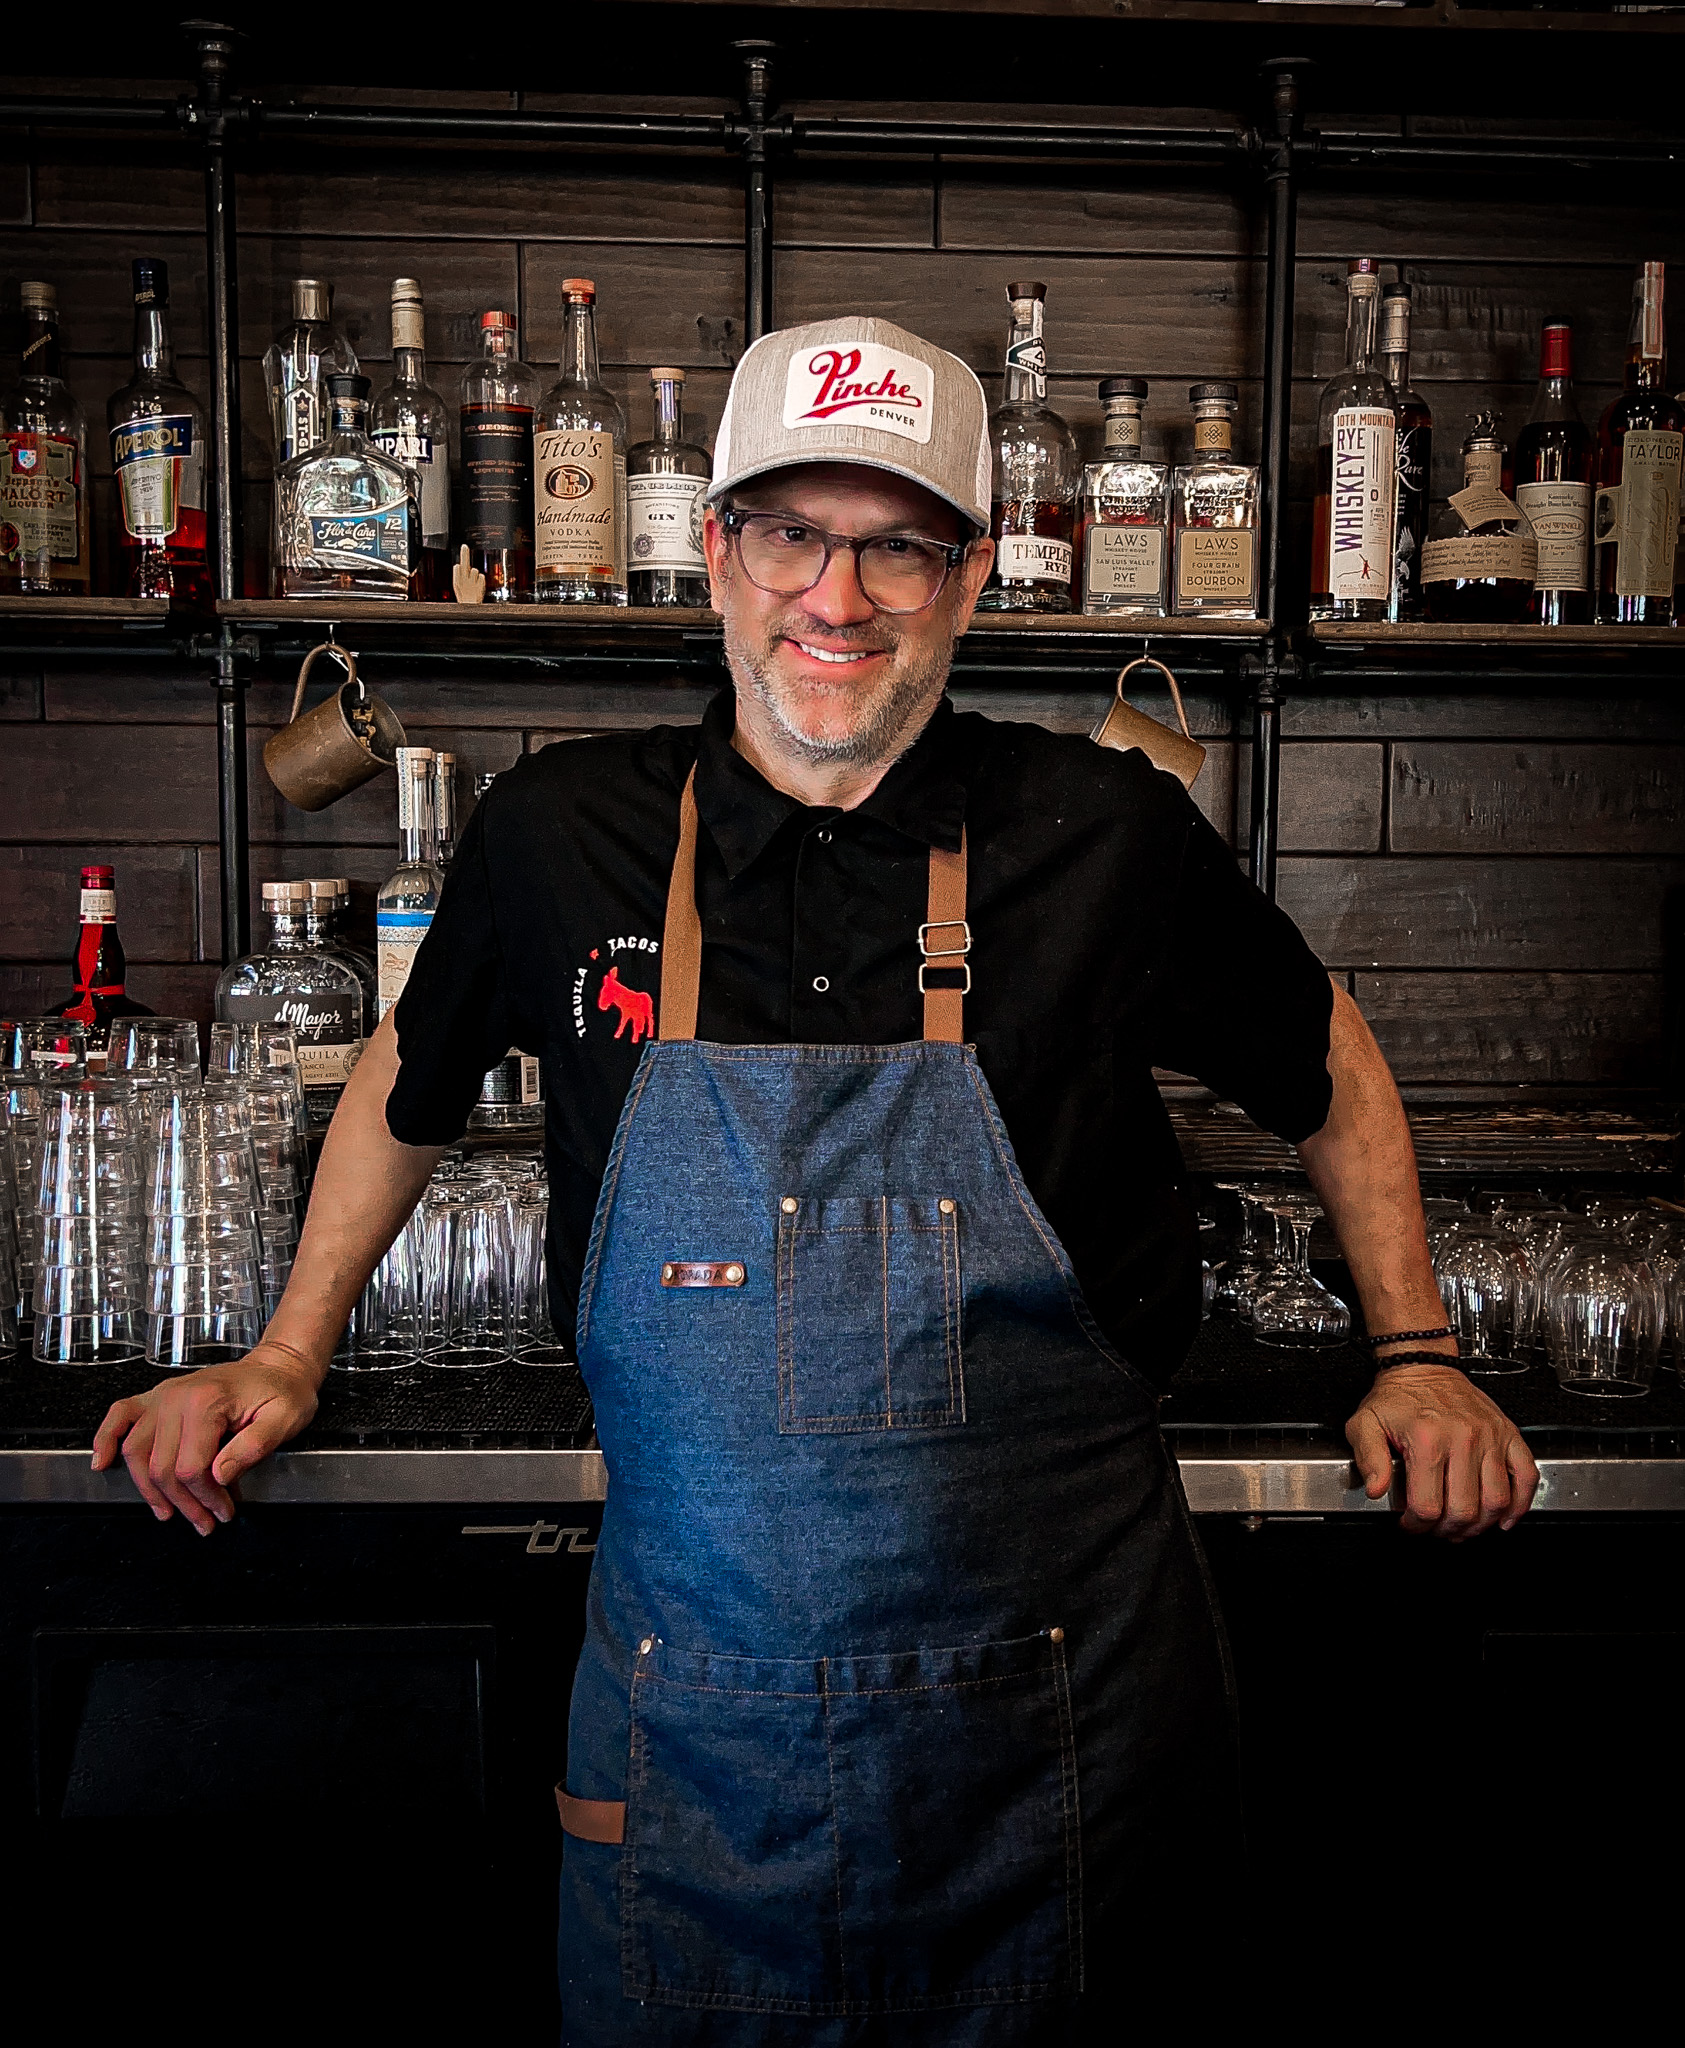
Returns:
point(1295, 1312)
point(1603, 1319)
point(1249, 1265)
point(1486, 1283)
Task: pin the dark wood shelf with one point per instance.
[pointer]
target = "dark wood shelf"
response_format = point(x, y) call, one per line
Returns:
point(1614, 639)
point(1383, 658)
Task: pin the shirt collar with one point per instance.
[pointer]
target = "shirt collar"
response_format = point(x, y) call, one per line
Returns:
point(922, 797)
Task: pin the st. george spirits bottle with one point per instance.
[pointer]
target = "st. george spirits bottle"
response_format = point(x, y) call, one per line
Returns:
point(291, 983)
point(1414, 455)
point(1357, 471)
point(1215, 502)
point(1640, 445)
point(579, 470)
point(410, 424)
point(296, 367)
point(1553, 464)
point(666, 480)
point(100, 968)
point(1480, 560)
point(158, 458)
point(410, 894)
point(499, 394)
point(1035, 476)
point(1123, 514)
point(346, 516)
point(43, 465)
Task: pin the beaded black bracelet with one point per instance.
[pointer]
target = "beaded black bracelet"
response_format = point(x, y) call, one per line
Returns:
point(1405, 1337)
point(1418, 1358)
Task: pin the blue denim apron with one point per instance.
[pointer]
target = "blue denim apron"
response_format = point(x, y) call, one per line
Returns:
point(901, 1680)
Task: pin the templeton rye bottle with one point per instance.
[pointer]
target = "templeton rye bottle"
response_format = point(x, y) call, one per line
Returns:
point(1035, 476)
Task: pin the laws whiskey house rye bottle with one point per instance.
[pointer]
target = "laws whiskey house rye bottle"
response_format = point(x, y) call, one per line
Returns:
point(579, 470)
point(410, 424)
point(1553, 465)
point(1035, 476)
point(1640, 446)
point(158, 458)
point(1357, 471)
point(1123, 514)
point(499, 395)
point(43, 465)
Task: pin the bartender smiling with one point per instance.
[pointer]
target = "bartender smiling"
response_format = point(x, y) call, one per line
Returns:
point(902, 1715)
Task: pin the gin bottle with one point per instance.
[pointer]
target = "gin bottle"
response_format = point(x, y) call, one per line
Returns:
point(158, 458)
point(499, 393)
point(1357, 470)
point(1035, 476)
point(1216, 505)
point(296, 367)
point(43, 465)
point(290, 982)
point(579, 470)
point(410, 424)
point(1123, 514)
point(666, 480)
point(410, 894)
point(346, 517)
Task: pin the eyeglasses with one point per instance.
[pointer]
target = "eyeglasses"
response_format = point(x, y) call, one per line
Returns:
point(898, 572)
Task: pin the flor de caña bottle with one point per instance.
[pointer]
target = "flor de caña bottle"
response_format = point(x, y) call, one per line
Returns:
point(579, 470)
point(1352, 533)
point(1035, 476)
point(1640, 445)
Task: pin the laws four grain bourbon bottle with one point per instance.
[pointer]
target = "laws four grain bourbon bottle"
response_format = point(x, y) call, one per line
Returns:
point(499, 394)
point(1640, 445)
point(1035, 476)
point(1356, 470)
point(1553, 465)
point(1215, 501)
point(99, 969)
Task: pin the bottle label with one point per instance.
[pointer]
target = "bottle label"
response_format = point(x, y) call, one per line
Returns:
point(397, 934)
point(665, 523)
point(1643, 517)
point(327, 1024)
point(1029, 355)
point(99, 906)
point(1560, 516)
point(1479, 558)
point(303, 418)
point(349, 540)
point(1213, 437)
point(1483, 467)
point(430, 464)
point(40, 488)
point(575, 527)
point(1361, 499)
point(1123, 433)
point(514, 1082)
point(1032, 558)
point(1123, 561)
point(1216, 565)
point(157, 464)
point(497, 477)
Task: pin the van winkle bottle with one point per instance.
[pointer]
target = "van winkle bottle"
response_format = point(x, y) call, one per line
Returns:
point(1553, 460)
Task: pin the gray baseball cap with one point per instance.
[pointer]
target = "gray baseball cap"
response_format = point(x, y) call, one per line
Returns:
point(855, 389)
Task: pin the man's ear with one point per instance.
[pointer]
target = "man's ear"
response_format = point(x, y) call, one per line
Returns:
point(716, 545)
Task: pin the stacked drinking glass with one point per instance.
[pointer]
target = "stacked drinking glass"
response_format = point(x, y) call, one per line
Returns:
point(204, 1282)
point(38, 1053)
point(90, 1269)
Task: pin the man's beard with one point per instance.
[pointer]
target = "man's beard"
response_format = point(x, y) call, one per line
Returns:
point(890, 723)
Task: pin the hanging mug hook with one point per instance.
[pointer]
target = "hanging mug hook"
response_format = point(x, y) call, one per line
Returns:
point(346, 741)
point(1124, 727)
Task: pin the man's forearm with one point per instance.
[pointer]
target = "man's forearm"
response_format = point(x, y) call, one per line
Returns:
point(1362, 1165)
point(365, 1187)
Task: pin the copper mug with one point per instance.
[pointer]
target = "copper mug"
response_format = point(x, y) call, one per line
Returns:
point(346, 741)
point(1124, 727)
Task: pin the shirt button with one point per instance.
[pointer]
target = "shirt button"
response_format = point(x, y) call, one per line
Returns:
point(821, 982)
point(823, 835)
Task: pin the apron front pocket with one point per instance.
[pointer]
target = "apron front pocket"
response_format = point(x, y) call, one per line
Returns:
point(868, 1314)
point(856, 1835)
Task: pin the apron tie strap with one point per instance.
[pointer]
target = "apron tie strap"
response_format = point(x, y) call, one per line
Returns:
point(592, 1820)
point(681, 937)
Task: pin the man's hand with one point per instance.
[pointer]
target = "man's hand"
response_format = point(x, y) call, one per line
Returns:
point(1465, 1465)
point(170, 1437)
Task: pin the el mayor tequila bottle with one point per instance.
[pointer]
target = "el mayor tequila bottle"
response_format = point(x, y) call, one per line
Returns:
point(292, 983)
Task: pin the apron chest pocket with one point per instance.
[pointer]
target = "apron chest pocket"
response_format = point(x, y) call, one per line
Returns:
point(868, 1314)
point(857, 1835)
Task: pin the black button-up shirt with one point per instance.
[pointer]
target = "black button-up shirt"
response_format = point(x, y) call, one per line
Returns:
point(1112, 932)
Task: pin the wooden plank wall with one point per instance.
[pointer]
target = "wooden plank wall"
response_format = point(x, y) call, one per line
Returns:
point(1495, 873)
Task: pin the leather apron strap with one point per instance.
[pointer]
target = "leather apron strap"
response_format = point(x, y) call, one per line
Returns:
point(592, 1820)
point(944, 939)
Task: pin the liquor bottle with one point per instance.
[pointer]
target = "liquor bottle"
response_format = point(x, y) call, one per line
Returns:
point(100, 968)
point(1215, 501)
point(296, 367)
point(346, 517)
point(1035, 476)
point(1553, 465)
point(329, 896)
point(43, 465)
point(512, 1093)
point(410, 424)
point(444, 810)
point(1640, 444)
point(158, 458)
point(499, 394)
point(1414, 455)
point(579, 470)
point(1357, 471)
point(410, 894)
point(290, 982)
point(666, 480)
point(1123, 514)
point(1480, 559)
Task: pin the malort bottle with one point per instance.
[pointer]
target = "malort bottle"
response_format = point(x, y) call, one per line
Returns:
point(43, 465)
point(579, 470)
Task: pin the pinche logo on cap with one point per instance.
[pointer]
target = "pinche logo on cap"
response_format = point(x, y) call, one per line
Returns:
point(859, 383)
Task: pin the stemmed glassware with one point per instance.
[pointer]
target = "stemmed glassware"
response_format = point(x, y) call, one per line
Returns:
point(1486, 1282)
point(1295, 1311)
point(1250, 1265)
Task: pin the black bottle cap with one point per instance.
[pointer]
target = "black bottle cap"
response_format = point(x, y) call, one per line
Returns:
point(348, 387)
point(1123, 387)
point(1196, 392)
point(152, 281)
point(1026, 291)
point(1395, 291)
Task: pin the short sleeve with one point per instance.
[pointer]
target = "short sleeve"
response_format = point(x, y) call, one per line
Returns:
point(453, 1017)
point(1245, 1005)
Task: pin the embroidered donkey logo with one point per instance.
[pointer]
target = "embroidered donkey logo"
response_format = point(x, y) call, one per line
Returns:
point(636, 1008)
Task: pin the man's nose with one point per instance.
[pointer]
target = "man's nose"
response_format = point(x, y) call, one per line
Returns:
point(837, 599)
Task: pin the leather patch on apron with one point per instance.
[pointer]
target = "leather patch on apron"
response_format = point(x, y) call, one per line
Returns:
point(703, 1273)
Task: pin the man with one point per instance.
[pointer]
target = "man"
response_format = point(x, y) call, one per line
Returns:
point(902, 1714)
